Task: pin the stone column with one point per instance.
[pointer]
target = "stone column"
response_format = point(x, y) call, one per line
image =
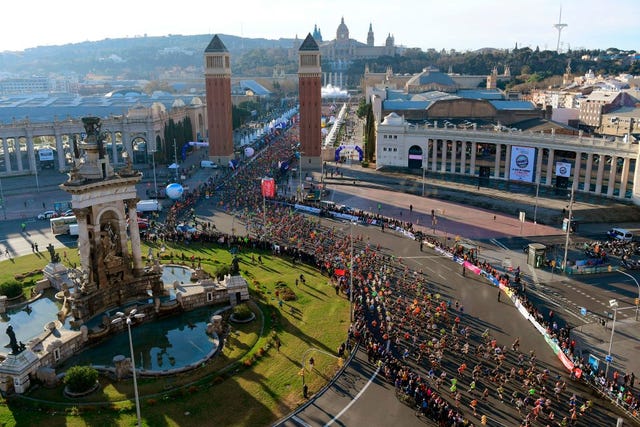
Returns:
point(434, 155)
point(425, 155)
point(507, 163)
point(463, 158)
point(31, 155)
point(114, 148)
point(625, 177)
point(443, 161)
point(7, 157)
point(16, 147)
point(600, 175)
point(496, 165)
point(587, 173)
point(84, 246)
point(134, 233)
point(576, 171)
point(62, 164)
point(454, 156)
point(539, 153)
point(472, 165)
point(550, 166)
point(613, 171)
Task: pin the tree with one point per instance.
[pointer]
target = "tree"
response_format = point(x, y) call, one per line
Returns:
point(362, 110)
point(370, 134)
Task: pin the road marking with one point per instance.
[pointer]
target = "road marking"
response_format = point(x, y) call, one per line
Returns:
point(357, 396)
point(299, 421)
point(498, 244)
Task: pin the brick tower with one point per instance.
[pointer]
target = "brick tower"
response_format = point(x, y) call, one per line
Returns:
point(309, 90)
point(217, 72)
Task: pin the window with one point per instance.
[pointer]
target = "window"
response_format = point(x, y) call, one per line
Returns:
point(56, 354)
point(395, 149)
point(209, 296)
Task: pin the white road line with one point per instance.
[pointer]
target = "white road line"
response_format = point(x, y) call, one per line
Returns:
point(299, 421)
point(357, 396)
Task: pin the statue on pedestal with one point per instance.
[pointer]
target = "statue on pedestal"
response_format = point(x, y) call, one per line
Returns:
point(13, 342)
point(55, 258)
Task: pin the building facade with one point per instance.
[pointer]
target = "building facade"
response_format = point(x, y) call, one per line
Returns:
point(591, 165)
point(218, 88)
point(310, 99)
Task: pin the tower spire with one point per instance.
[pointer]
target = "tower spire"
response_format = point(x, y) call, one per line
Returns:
point(559, 26)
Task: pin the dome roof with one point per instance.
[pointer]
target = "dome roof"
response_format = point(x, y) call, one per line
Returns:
point(392, 119)
point(195, 101)
point(178, 103)
point(343, 32)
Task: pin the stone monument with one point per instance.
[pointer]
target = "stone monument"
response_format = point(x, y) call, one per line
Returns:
point(104, 203)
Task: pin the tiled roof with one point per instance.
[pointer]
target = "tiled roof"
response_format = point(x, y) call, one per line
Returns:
point(216, 46)
point(309, 44)
point(513, 105)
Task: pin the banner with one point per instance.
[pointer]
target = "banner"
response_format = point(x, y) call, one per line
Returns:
point(268, 186)
point(563, 169)
point(521, 165)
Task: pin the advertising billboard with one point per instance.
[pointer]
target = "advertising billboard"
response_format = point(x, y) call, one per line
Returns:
point(563, 169)
point(522, 162)
point(268, 188)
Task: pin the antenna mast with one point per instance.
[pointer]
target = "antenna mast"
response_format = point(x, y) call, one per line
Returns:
point(559, 26)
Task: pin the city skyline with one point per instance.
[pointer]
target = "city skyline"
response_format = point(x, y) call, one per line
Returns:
point(427, 24)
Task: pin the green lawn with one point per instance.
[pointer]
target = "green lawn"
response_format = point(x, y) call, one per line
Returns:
point(249, 383)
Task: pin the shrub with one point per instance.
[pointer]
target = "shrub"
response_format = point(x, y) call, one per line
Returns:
point(242, 312)
point(11, 289)
point(81, 378)
point(364, 164)
point(285, 292)
point(222, 271)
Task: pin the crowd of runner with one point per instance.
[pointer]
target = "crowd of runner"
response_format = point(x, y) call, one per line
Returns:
point(435, 355)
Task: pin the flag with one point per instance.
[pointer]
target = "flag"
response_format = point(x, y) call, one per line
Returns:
point(340, 271)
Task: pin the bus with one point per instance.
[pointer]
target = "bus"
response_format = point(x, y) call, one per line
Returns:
point(61, 225)
point(46, 157)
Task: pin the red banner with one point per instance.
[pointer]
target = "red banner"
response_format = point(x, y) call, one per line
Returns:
point(340, 272)
point(268, 186)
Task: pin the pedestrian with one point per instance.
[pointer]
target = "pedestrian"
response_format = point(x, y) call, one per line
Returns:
point(499, 295)
point(33, 248)
point(37, 250)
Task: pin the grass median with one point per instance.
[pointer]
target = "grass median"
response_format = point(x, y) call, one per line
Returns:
point(252, 381)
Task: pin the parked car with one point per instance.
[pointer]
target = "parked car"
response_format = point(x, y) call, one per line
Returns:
point(47, 215)
point(68, 212)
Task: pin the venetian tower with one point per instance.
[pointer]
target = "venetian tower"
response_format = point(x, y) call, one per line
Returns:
point(309, 92)
point(217, 74)
point(104, 202)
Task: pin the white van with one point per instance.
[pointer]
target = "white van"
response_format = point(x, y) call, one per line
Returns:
point(620, 234)
point(208, 164)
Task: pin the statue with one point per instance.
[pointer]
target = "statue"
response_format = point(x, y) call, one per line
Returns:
point(13, 343)
point(55, 258)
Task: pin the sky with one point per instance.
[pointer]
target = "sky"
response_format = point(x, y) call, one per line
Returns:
point(453, 24)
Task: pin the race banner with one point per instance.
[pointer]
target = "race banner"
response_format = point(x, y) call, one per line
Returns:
point(268, 186)
point(522, 162)
point(563, 169)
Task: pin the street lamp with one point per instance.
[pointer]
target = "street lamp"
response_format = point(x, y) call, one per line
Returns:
point(566, 241)
point(612, 304)
point(423, 173)
point(128, 318)
point(638, 285)
point(4, 202)
point(155, 182)
point(351, 272)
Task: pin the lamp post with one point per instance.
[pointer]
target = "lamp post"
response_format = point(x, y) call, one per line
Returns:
point(128, 318)
point(423, 172)
point(351, 273)
point(638, 285)
point(566, 240)
point(612, 304)
point(4, 202)
point(155, 182)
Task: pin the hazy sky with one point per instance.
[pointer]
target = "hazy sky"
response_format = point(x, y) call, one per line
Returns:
point(452, 24)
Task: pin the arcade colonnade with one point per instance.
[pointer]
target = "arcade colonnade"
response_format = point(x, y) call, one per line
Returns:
point(591, 165)
point(18, 150)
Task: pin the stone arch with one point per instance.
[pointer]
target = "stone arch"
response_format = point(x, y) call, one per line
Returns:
point(415, 157)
